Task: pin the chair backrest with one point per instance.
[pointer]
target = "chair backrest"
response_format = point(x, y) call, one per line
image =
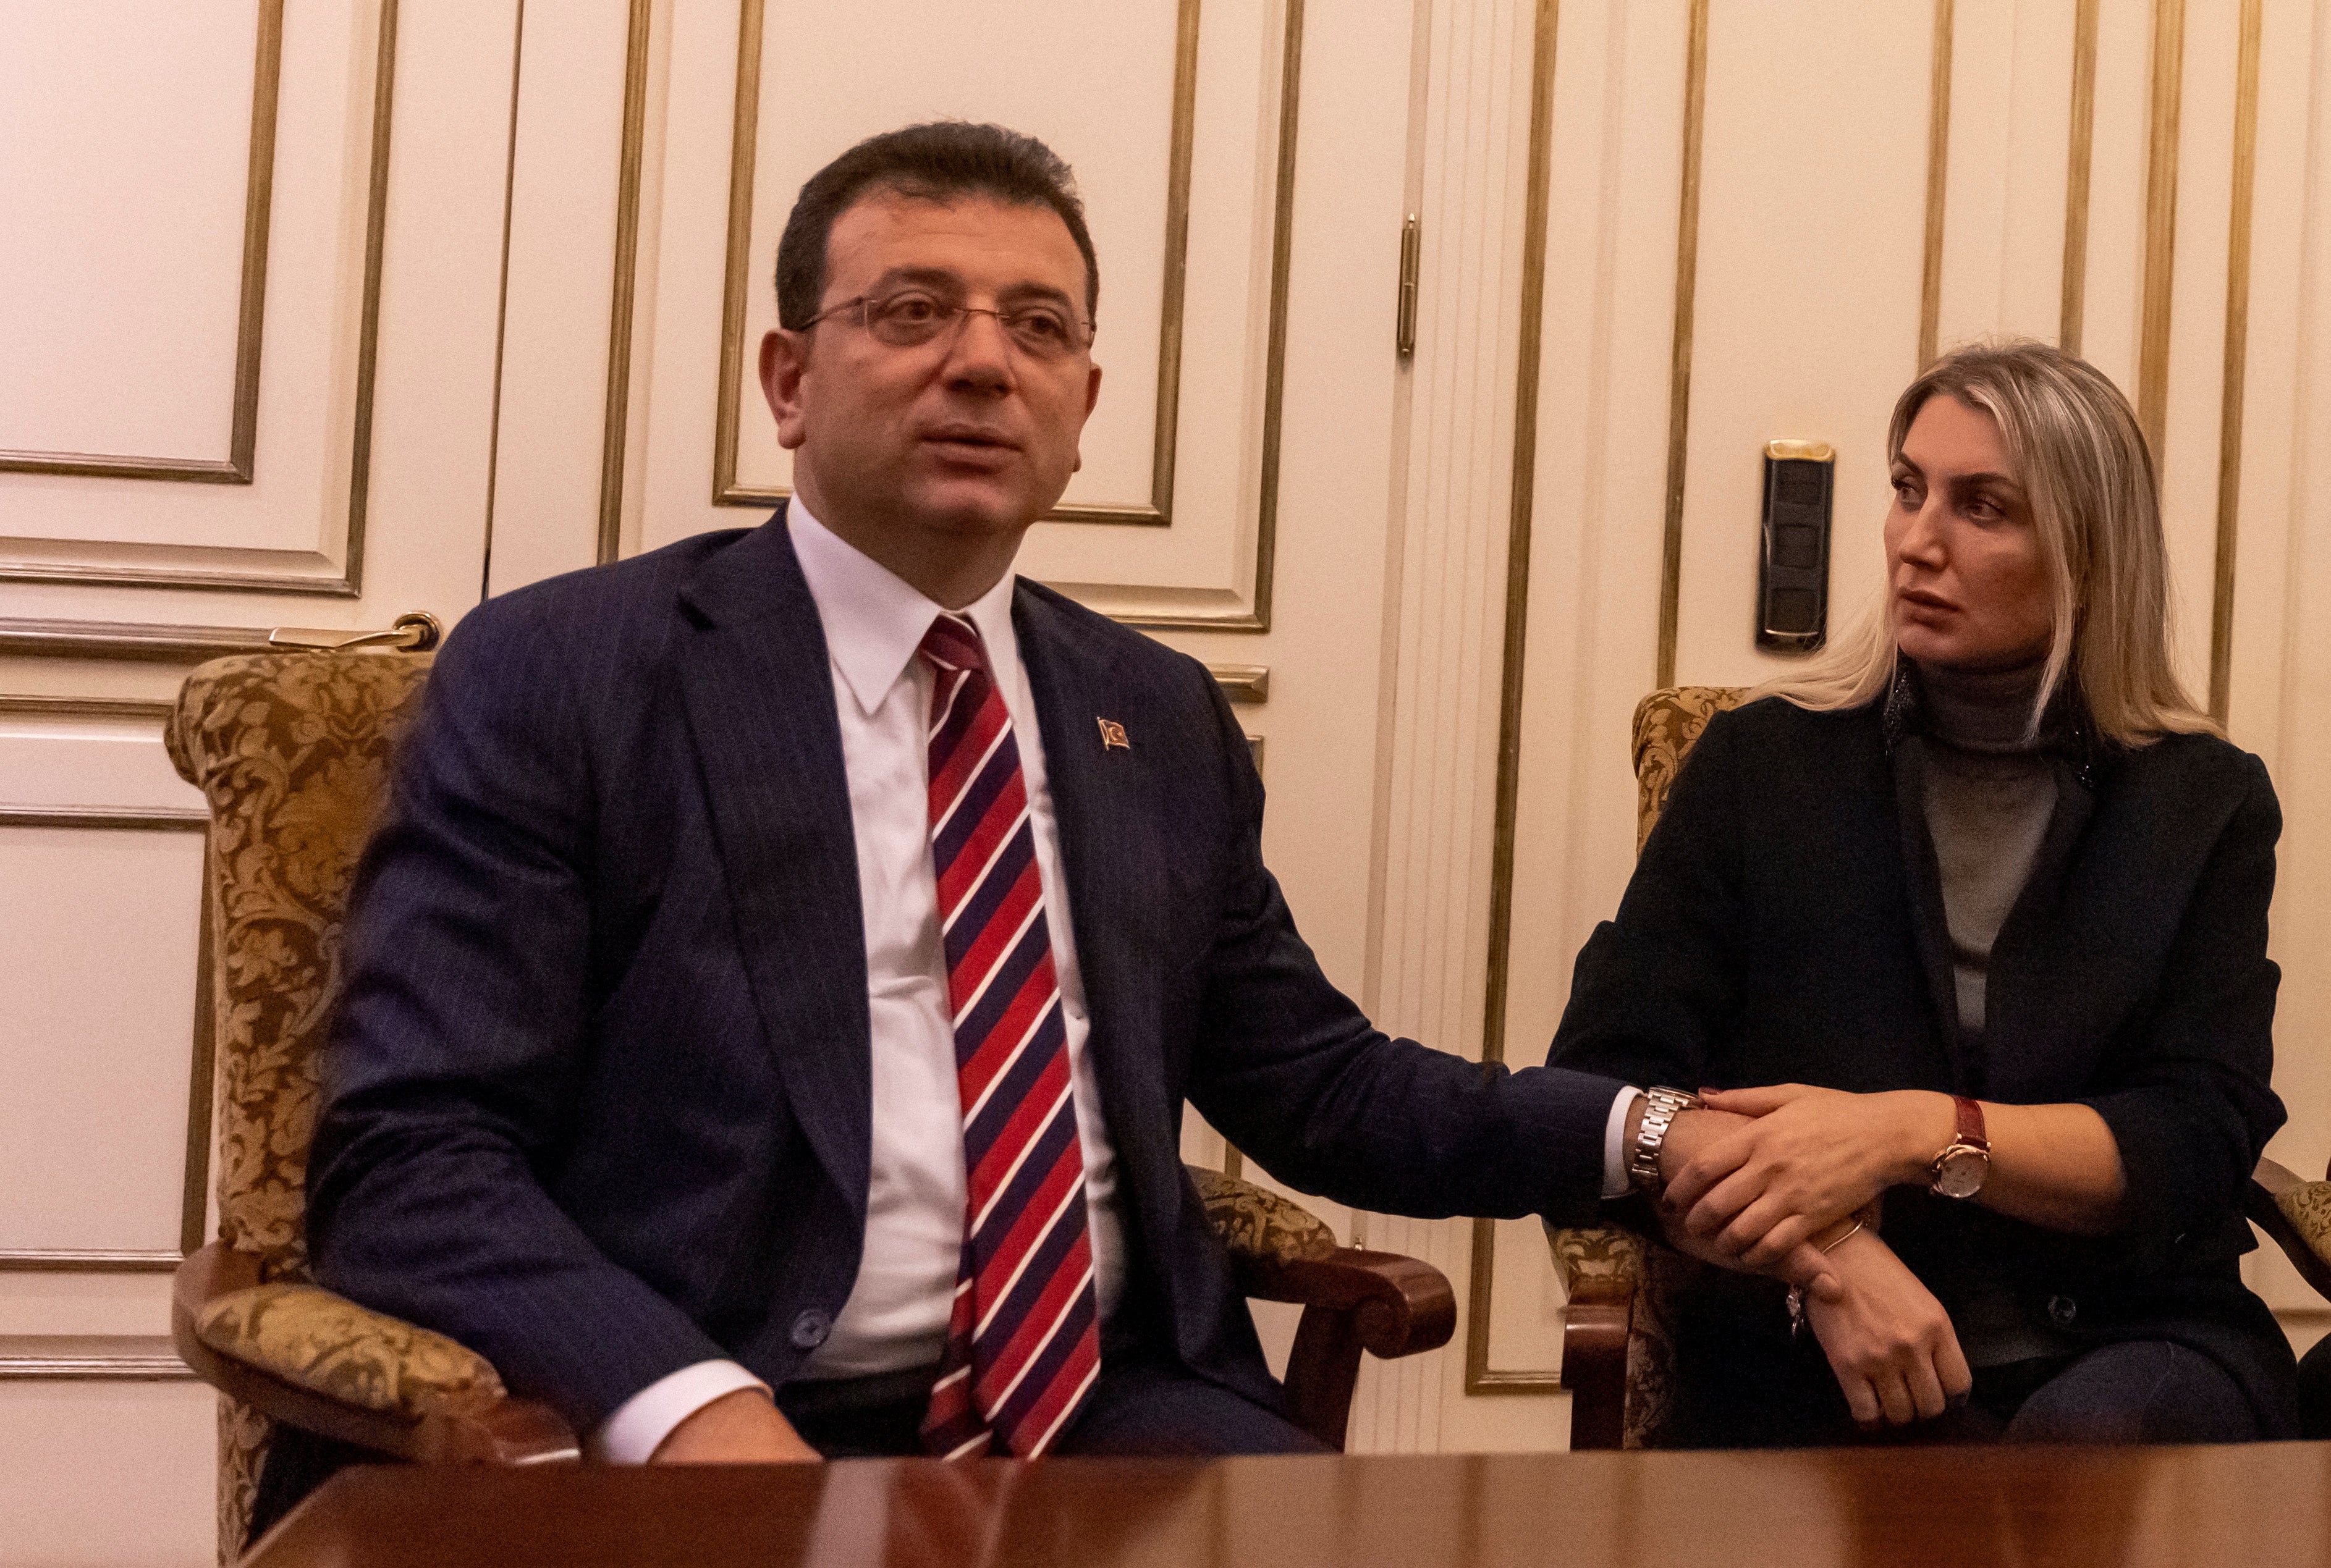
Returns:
point(291, 751)
point(1666, 723)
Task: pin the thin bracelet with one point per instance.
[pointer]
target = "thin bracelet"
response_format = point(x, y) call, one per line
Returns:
point(1841, 1240)
point(1796, 1297)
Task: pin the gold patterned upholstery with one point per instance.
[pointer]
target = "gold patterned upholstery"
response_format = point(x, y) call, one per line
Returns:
point(243, 1437)
point(291, 751)
point(1668, 722)
point(328, 1344)
point(1256, 1222)
point(2307, 1207)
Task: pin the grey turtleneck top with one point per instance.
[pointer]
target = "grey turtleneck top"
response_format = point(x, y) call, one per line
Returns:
point(1988, 795)
point(1989, 791)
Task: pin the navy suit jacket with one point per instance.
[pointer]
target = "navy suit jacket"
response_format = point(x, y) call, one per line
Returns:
point(597, 1095)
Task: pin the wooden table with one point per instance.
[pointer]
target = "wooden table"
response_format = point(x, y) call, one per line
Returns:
point(2259, 1507)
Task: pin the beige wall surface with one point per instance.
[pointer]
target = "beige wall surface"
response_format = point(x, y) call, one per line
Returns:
point(324, 311)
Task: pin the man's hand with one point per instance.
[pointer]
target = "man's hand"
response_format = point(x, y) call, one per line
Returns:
point(1888, 1339)
point(742, 1428)
point(1810, 1157)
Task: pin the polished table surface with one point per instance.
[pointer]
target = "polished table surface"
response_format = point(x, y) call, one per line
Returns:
point(2259, 1507)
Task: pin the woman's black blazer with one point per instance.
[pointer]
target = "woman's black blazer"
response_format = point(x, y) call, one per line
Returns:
point(1784, 924)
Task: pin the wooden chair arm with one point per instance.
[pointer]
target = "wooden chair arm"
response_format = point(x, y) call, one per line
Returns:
point(2297, 1213)
point(1595, 1333)
point(1352, 1300)
point(1400, 1306)
point(1601, 1267)
point(494, 1428)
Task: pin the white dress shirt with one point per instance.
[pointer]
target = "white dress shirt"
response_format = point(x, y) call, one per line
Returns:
point(897, 1313)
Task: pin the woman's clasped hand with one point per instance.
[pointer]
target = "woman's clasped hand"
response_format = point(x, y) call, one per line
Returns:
point(1888, 1339)
point(1809, 1159)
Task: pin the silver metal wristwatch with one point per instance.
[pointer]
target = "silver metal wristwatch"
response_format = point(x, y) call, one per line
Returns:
point(1660, 1107)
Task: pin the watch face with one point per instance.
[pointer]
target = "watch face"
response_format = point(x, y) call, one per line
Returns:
point(1961, 1172)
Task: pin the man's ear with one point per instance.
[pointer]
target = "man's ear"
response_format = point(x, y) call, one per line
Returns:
point(1092, 397)
point(785, 359)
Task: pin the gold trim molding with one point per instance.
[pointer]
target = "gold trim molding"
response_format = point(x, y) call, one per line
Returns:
point(2160, 222)
point(1687, 284)
point(68, 1260)
point(501, 298)
point(2237, 361)
point(193, 1197)
point(151, 819)
point(619, 314)
point(1480, 1376)
point(127, 640)
point(2073, 297)
point(348, 582)
point(258, 199)
point(1274, 380)
point(743, 150)
point(89, 1358)
point(1938, 172)
point(1243, 683)
point(17, 705)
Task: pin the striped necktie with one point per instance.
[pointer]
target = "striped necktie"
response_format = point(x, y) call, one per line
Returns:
point(1024, 1340)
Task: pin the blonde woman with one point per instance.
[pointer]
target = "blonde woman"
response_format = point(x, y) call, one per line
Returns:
point(1981, 903)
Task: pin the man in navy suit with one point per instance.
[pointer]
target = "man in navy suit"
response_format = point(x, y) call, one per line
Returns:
point(771, 999)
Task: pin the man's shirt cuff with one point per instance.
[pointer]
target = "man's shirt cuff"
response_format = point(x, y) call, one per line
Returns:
point(641, 1422)
point(1614, 1146)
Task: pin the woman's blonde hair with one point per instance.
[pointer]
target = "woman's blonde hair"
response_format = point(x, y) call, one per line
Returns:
point(2088, 478)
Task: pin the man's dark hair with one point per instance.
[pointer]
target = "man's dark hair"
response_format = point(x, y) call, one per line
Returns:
point(938, 162)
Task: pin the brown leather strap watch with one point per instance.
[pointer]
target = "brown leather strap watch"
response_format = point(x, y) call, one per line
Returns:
point(1966, 1161)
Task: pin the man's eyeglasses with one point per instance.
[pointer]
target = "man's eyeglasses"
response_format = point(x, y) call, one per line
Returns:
point(912, 318)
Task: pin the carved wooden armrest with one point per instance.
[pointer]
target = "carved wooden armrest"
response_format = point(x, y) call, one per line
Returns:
point(1352, 1299)
point(300, 1355)
point(2298, 1214)
point(1282, 1251)
point(1399, 1306)
point(1601, 1267)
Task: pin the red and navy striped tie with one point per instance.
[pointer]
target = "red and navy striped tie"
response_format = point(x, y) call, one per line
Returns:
point(1024, 1339)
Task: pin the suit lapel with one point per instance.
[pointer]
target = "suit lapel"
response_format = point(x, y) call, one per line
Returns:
point(760, 693)
point(1095, 803)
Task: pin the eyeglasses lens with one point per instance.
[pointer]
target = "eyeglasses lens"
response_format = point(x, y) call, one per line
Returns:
point(911, 320)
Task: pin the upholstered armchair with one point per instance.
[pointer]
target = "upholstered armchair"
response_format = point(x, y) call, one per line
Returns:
point(1616, 1352)
point(292, 751)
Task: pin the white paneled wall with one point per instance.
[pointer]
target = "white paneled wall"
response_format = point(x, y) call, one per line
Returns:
point(323, 311)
